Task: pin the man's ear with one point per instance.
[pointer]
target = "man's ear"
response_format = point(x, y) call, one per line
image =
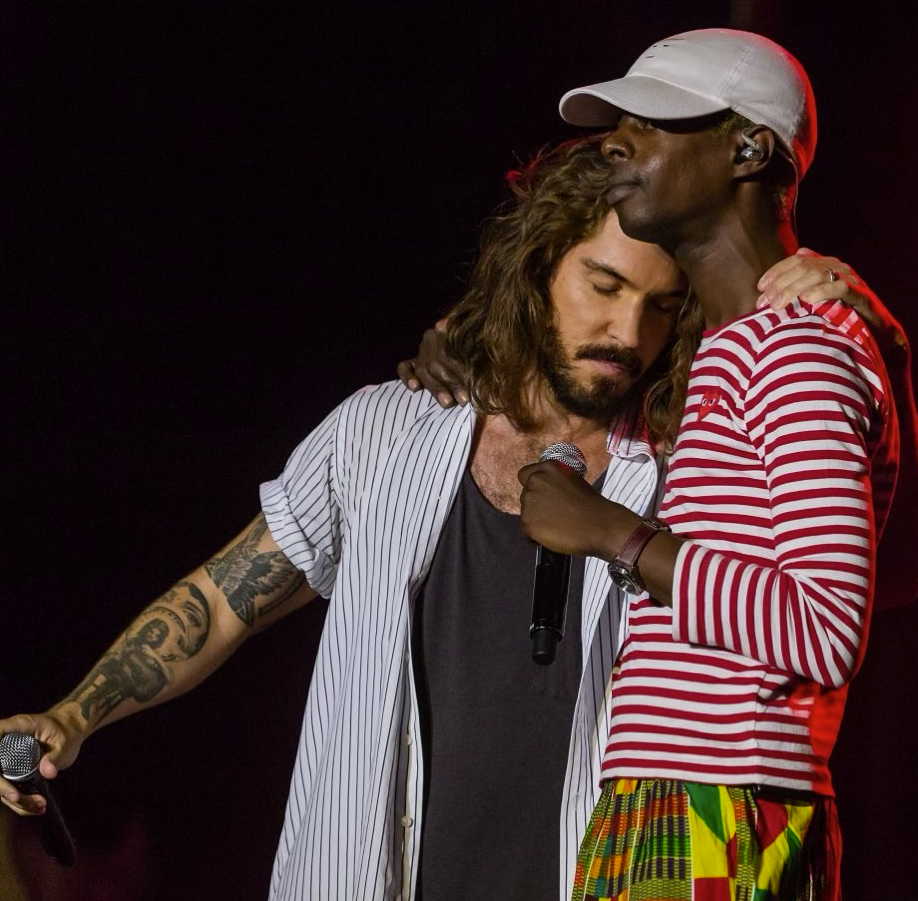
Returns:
point(754, 149)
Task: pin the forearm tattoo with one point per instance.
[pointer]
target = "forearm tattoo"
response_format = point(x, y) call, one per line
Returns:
point(139, 664)
point(254, 583)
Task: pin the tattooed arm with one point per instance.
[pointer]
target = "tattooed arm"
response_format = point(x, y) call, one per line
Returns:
point(176, 642)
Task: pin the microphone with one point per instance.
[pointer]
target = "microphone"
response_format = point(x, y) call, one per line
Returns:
point(552, 574)
point(19, 757)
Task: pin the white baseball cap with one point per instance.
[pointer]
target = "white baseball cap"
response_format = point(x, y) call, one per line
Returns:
point(708, 71)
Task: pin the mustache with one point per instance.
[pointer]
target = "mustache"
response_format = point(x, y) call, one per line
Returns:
point(621, 356)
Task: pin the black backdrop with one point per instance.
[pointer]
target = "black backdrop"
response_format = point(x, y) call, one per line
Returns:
point(221, 218)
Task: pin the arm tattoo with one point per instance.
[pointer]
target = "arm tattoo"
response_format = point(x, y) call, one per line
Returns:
point(254, 583)
point(138, 665)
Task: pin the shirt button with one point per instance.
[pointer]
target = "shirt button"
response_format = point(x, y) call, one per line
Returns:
point(407, 821)
point(408, 739)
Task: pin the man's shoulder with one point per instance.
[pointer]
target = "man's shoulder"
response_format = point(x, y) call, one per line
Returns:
point(829, 327)
point(386, 400)
point(377, 417)
point(804, 320)
point(805, 342)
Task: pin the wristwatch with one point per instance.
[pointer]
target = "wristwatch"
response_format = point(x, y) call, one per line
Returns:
point(623, 569)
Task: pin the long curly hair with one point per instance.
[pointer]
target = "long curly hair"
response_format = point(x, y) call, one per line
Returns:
point(498, 328)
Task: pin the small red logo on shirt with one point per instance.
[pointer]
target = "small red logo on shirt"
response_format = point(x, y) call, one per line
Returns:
point(709, 400)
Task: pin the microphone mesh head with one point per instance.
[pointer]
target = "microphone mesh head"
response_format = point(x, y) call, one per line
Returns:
point(19, 755)
point(568, 455)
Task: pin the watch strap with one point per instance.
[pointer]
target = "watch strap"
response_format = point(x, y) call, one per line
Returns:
point(638, 539)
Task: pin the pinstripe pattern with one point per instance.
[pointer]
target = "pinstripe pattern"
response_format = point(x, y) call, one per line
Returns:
point(781, 474)
point(359, 508)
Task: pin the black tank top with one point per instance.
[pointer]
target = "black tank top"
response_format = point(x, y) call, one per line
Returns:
point(496, 726)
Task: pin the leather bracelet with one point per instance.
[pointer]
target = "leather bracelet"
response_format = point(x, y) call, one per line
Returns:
point(623, 569)
point(639, 539)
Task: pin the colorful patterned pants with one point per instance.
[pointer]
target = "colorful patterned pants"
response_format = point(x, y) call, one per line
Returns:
point(664, 840)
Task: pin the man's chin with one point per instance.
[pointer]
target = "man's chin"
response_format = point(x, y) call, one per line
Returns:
point(637, 225)
point(601, 400)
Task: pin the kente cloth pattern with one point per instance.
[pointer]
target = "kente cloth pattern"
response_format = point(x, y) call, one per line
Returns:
point(668, 840)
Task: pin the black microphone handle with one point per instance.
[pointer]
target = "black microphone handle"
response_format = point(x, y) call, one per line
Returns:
point(55, 836)
point(549, 603)
point(552, 572)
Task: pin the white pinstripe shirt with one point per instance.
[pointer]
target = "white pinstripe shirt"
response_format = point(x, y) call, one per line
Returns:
point(359, 508)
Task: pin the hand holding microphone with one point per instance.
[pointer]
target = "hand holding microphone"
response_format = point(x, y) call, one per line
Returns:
point(558, 465)
point(20, 754)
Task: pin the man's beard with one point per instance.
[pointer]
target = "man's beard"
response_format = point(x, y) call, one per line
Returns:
point(602, 397)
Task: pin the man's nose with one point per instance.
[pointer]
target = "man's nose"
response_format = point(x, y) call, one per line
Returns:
point(625, 327)
point(615, 146)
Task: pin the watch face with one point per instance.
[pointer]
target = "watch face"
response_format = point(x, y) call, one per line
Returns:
point(626, 577)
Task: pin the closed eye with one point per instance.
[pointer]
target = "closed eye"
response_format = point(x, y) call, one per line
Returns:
point(667, 305)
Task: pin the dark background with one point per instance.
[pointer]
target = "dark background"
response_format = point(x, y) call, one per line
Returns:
point(220, 219)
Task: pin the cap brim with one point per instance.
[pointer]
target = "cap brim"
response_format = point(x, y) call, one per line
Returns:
point(640, 95)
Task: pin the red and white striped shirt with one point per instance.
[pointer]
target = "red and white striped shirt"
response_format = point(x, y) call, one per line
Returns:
point(781, 478)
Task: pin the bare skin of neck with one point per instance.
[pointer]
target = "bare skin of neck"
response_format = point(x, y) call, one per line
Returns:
point(728, 259)
point(500, 450)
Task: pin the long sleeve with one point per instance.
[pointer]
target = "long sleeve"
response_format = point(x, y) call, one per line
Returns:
point(779, 483)
point(812, 402)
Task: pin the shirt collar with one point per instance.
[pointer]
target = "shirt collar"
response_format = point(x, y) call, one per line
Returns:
point(629, 436)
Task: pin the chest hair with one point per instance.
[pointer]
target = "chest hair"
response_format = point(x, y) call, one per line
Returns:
point(501, 451)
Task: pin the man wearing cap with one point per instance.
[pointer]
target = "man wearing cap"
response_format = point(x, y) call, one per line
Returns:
point(750, 594)
point(363, 509)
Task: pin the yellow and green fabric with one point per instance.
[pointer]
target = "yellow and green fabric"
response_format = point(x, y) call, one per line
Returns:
point(667, 840)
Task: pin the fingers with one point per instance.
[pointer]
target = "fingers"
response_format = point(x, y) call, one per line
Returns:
point(526, 471)
point(405, 372)
point(551, 469)
point(60, 737)
point(436, 378)
point(452, 389)
point(47, 767)
point(806, 275)
point(21, 805)
point(538, 501)
point(440, 380)
point(435, 370)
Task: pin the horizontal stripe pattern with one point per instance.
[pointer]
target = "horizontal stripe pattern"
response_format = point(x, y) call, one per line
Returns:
point(781, 477)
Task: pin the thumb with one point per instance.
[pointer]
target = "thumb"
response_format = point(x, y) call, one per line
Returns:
point(526, 471)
